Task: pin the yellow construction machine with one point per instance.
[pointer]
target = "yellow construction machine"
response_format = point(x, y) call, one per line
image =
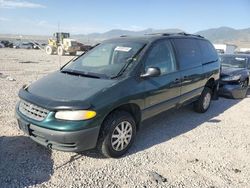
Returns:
point(61, 44)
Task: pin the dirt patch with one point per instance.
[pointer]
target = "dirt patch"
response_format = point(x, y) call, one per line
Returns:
point(28, 62)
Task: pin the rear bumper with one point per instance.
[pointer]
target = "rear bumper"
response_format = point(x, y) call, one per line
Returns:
point(71, 141)
point(233, 91)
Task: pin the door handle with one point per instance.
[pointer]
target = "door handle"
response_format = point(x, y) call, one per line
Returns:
point(177, 80)
point(185, 78)
point(175, 83)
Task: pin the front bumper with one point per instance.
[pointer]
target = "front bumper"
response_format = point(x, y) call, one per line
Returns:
point(232, 90)
point(71, 141)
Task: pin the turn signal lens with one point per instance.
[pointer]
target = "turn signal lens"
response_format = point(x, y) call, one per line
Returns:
point(75, 115)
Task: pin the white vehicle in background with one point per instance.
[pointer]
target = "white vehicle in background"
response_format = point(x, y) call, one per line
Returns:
point(244, 50)
point(225, 48)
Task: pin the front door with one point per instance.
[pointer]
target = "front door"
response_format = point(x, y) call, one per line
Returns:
point(162, 92)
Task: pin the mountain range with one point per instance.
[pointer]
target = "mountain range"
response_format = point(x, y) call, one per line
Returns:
point(240, 37)
point(119, 32)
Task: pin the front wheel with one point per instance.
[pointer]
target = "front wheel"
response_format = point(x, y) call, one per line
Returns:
point(117, 134)
point(60, 50)
point(49, 50)
point(203, 103)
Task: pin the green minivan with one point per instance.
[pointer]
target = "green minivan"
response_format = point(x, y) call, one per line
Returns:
point(99, 99)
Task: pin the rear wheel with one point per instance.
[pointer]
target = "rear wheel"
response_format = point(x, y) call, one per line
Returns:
point(203, 103)
point(49, 50)
point(244, 84)
point(117, 134)
point(60, 50)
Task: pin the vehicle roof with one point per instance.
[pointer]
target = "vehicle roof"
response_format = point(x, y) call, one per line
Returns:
point(154, 36)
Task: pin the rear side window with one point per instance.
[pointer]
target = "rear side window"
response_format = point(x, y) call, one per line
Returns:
point(188, 53)
point(209, 54)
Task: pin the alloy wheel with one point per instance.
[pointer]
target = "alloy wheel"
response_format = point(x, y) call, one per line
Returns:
point(121, 136)
point(206, 101)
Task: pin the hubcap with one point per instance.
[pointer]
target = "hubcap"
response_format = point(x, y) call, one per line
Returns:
point(206, 101)
point(121, 136)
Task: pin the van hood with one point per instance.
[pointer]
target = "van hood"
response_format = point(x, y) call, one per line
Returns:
point(229, 71)
point(65, 87)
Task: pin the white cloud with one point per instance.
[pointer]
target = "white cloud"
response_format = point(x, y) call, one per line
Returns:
point(42, 23)
point(136, 28)
point(19, 4)
point(2, 19)
point(129, 27)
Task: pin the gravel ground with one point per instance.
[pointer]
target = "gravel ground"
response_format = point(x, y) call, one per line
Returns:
point(179, 148)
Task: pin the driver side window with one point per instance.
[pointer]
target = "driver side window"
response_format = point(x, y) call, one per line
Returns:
point(161, 56)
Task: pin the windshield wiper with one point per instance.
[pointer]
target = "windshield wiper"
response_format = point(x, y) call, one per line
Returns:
point(85, 74)
point(129, 60)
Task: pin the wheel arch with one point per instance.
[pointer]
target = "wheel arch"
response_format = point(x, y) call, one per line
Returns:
point(131, 108)
point(213, 85)
point(210, 83)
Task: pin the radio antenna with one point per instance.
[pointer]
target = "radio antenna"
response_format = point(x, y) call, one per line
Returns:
point(59, 57)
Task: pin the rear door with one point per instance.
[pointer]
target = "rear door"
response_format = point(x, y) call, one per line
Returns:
point(190, 63)
point(162, 92)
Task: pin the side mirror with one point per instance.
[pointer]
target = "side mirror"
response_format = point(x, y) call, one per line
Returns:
point(151, 72)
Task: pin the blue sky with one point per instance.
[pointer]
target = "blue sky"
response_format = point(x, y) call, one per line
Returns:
point(82, 16)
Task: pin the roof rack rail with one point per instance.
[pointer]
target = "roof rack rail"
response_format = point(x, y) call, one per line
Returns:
point(188, 34)
point(168, 34)
point(153, 33)
point(164, 34)
point(123, 35)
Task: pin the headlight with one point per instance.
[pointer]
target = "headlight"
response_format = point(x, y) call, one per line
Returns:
point(75, 115)
point(232, 78)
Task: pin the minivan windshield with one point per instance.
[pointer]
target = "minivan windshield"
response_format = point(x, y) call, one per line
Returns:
point(233, 61)
point(105, 60)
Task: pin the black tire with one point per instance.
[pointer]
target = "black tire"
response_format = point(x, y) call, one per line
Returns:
point(244, 87)
point(244, 84)
point(199, 104)
point(49, 50)
point(60, 51)
point(109, 125)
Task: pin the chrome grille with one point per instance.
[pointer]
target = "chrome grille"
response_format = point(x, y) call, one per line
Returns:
point(32, 111)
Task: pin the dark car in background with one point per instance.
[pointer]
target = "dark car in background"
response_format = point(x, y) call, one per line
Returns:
point(234, 79)
point(6, 44)
point(23, 45)
point(99, 99)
